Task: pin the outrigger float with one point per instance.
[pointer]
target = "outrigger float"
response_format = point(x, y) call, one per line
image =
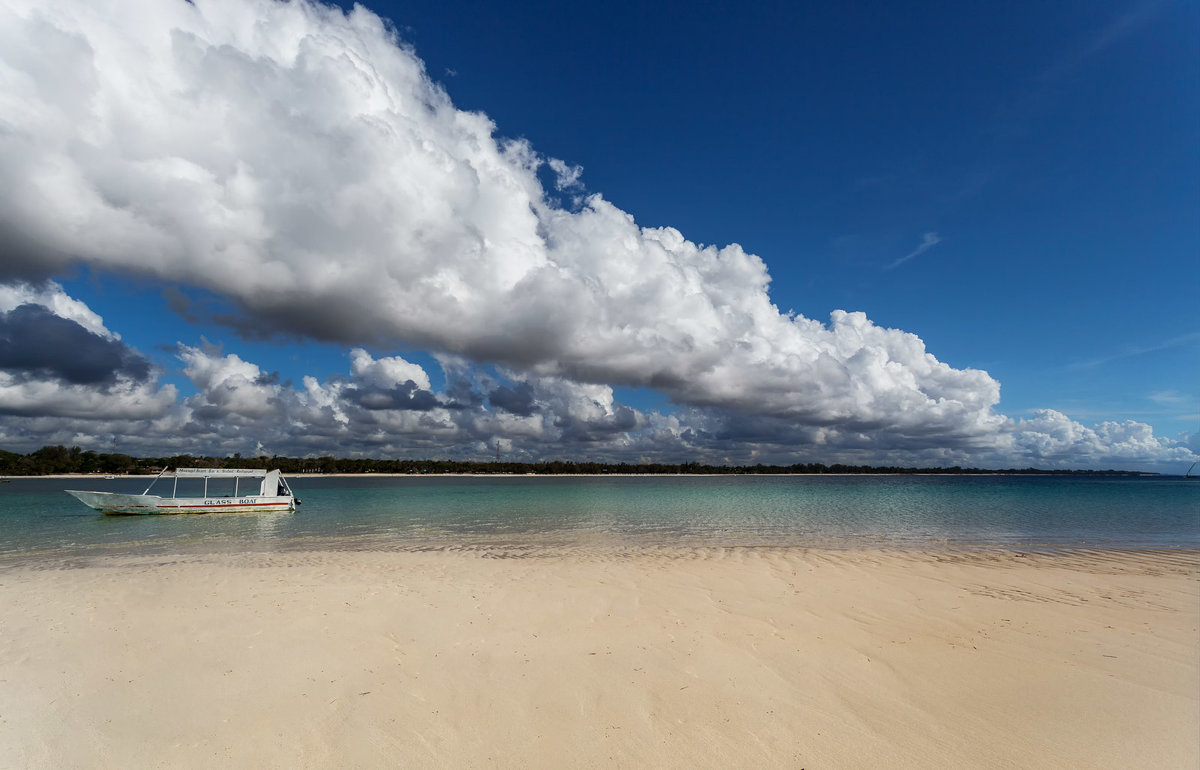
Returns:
point(273, 495)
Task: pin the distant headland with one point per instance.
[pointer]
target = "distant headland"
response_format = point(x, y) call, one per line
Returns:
point(60, 460)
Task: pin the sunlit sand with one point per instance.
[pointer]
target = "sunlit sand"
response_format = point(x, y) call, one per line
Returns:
point(595, 658)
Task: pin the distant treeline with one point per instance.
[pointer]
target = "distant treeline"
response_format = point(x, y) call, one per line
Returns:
point(60, 459)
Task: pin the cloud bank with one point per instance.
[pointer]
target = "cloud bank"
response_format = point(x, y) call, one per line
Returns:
point(299, 162)
point(387, 406)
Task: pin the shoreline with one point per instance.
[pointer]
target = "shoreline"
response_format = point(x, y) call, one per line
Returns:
point(511, 474)
point(739, 657)
point(567, 546)
point(554, 546)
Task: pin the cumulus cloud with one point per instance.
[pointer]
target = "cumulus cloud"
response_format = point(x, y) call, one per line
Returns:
point(386, 372)
point(51, 296)
point(298, 161)
point(57, 359)
point(229, 387)
point(1051, 438)
point(124, 400)
point(34, 342)
point(517, 399)
point(386, 406)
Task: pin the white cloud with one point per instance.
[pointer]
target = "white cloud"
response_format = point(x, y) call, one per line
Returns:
point(300, 162)
point(51, 296)
point(1050, 437)
point(124, 400)
point(229, 386)
point(566, 176)
point(386, 372)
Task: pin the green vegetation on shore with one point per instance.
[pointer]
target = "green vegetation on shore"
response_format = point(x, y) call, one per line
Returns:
point(61, 460)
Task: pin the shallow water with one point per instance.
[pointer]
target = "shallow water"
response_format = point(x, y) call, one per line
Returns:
point(38, 520)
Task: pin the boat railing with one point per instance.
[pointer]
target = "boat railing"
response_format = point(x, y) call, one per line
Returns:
point(237, 474)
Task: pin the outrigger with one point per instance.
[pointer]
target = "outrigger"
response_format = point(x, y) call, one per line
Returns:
point(272, 495)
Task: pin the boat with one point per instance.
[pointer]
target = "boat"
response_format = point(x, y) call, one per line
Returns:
point(270, 494)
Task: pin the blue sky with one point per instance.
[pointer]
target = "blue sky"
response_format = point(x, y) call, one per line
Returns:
point(1012, 185)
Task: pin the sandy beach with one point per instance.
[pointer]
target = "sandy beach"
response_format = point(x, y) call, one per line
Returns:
point(702, 658)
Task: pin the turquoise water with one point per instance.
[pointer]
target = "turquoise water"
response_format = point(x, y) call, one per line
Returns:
point(38, 520)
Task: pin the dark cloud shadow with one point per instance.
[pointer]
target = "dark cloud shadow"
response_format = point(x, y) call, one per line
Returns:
point(408, 397)
point(36, 343)
point(518, 399)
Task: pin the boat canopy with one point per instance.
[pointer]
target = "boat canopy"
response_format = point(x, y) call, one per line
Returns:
point(220, 473)
point(273, 484)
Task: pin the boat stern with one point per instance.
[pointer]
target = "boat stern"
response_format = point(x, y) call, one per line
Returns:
point(111, 502)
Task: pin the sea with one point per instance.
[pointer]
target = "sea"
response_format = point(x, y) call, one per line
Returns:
point(514, 515)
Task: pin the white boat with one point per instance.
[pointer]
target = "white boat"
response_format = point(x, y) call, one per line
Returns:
point(271, 493)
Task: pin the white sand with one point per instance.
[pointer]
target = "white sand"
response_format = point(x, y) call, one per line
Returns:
point(734, 658)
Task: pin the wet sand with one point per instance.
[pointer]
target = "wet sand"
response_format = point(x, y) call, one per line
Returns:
point(592, 658)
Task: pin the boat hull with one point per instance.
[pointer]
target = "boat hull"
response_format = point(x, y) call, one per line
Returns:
point(124, 505)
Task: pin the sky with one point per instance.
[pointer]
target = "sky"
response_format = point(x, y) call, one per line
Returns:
point(959, 234)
